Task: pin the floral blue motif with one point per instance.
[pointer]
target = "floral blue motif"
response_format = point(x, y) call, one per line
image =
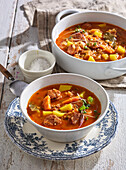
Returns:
point(34, 143)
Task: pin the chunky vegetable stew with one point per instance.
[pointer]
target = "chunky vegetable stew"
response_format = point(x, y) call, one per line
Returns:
point(94, 41)
point(64, 107)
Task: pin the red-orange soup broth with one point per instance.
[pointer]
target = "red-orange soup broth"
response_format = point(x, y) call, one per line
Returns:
point(93, 41)
point(64, 107)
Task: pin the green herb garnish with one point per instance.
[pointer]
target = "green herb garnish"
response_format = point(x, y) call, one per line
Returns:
point(85, 47)
point(70, 37)
point(95, 111)
point(90, 99)
point(96, 116)
point(86, 107)
point(84, 102)
point(94, 44)
point(77, 30)
point(86, 118)
point(83, 107)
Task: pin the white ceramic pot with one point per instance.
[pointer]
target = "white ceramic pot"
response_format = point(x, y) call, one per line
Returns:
point(95, 70)
point(64, 135)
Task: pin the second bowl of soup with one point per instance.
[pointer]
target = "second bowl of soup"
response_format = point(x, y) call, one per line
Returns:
point(64, 107)
point(92, 44)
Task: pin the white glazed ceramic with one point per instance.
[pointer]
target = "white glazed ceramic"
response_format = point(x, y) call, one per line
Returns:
point(64, 135)
point(27, 57)
point(95, 70)
point(28, 139)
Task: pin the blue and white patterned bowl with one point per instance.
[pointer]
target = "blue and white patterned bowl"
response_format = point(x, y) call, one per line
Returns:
point(33, 143)
point(64, 135)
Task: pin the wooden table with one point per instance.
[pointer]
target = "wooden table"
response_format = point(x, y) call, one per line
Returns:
point(14, 34)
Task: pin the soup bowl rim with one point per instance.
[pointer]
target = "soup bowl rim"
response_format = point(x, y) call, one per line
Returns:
point(71, 130)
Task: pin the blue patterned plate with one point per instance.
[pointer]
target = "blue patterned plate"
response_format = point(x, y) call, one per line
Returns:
point(27, 138)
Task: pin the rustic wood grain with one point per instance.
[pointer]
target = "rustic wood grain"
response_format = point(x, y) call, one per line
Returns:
point(12, 158)
point(7, 16)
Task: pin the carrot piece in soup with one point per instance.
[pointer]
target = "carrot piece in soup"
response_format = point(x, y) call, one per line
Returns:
point(47, 103)
point(107, 49)
point(72, 99)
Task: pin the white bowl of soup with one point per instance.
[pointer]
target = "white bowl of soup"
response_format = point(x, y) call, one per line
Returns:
point(64, 107)
point(91, 43)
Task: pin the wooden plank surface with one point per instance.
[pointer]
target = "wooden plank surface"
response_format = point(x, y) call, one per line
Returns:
point(12, 158)
point(7, 16)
